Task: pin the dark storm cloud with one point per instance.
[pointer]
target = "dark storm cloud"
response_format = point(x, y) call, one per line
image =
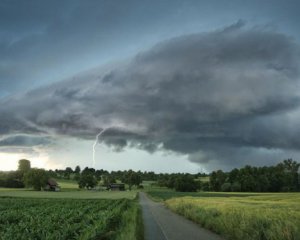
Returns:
point(23, 141)
point(46, 41)
point(215, 96)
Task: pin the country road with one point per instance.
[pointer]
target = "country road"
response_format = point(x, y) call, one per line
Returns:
point(162, 224)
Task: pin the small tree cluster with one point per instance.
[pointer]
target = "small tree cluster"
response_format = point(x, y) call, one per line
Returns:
point(36, 178)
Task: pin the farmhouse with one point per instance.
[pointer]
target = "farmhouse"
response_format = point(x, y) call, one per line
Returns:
point(116, 187)
point(52, 185)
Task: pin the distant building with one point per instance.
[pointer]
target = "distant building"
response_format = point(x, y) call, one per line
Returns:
point(52, 185)
point(116, 187)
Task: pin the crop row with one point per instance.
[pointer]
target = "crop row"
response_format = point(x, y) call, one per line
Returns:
point(61, 219)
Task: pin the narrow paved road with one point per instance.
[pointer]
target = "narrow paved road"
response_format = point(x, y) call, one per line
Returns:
point(162, 224)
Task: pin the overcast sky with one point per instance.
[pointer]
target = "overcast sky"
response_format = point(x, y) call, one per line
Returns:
point(178, 86)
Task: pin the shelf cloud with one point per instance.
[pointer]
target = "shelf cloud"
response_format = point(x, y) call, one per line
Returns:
point(214, 96)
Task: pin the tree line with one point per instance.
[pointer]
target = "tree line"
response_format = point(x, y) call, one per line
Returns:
point(282, 177)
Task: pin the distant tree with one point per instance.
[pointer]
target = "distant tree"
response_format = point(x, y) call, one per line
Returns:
point(205, 186)
point(132, 178)
point(24, 165)
point(290, 169)
point(185, 183)
point(87, 181)
point(108, 179)
point(36, 178)
point(88, 170)
point(217, 179)
point(77, 170)
point(226, 187)
point(68, 172)
point(236, 187)
point(11, 180)
point(87, 178)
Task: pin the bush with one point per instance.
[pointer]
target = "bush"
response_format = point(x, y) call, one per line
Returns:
point(226, 187)
point(236, 187)
point(205, 186)
point(185, 183)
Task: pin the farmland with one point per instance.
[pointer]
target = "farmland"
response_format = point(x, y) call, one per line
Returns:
point(162, 194)
point(263, 216)
point(84, 194)
point(29, 218)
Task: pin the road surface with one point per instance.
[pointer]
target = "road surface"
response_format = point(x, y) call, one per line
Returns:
point(162, 224)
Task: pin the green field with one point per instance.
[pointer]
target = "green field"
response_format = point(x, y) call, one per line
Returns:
point(84, 194)
point(260, 217)
point(67, 184)
point(25, 218)
point(162, 194)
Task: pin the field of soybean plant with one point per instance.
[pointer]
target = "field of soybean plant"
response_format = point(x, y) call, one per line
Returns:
point(259, 217)
point(29, 218)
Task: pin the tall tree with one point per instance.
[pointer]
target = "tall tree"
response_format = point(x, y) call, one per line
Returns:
point(24, 165)
point(132, 178)
point(77, 169)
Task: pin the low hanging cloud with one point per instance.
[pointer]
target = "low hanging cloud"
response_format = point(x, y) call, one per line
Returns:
point(214, 96)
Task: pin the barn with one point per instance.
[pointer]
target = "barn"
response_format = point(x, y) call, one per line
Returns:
point(116, 187)
point(52, 185)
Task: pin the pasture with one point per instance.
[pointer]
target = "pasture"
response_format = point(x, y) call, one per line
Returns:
point(272, 216)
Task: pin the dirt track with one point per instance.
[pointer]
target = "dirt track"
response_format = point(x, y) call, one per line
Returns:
point(162, 224)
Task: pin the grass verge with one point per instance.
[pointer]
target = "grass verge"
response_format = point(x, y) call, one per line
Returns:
point(132, 223)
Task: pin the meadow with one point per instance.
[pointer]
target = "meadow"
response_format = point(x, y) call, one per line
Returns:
point(267, 216)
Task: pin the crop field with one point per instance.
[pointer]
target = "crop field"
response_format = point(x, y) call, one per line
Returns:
point(84, 194)
point(162, 194)
point(259, 217)
point(25, 218)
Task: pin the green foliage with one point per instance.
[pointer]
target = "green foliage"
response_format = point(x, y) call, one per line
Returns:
point(132, 178)
point(226, 187)
point(24, 165)
point(236, 187)
point(68, 172)
point(62, 219)
point(185, 183)
point(217, 179)
point(11, 180)
point(87, 178)
point(87, 181)
point(77, 170)
point(280, 178)
point(108, 179)
point(36, 178)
